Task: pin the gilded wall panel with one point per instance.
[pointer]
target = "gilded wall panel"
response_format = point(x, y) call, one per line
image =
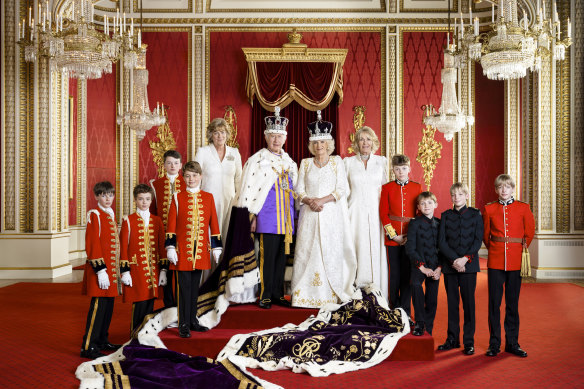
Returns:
point(9, 206)
point(512, 132)
point(198, 92)
point(545, 151)
point(43, 143)
point(391, 126)
point(81, 152)
point(563, 130)
point(577, 51)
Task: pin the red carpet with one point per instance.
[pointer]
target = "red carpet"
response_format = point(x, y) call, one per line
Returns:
point(42, 326)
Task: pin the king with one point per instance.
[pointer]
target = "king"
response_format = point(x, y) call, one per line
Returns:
point(267, 191)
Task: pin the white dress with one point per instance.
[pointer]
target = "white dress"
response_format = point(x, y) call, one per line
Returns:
point(221, 179)
point(365, 186)
point(324, 257)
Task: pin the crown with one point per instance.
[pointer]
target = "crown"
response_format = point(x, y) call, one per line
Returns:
point(276, 124)
point(320, 129)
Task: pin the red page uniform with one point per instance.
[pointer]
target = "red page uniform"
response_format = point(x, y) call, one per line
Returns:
point(397, 206)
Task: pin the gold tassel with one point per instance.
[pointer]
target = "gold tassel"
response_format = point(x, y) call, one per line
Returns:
point(525, 263)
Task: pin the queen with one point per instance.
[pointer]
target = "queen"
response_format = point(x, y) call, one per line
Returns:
point(366, 173)
point(324, 259)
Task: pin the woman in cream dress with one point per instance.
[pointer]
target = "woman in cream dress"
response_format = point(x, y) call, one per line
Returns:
point(324, 257)
point(221, 166)
point(366, 173)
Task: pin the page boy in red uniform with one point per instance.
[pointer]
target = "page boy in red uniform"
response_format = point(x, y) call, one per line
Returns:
point(397, 206)
point(164, 188)
point(188, 244)
point(101, 277)
point(142, 257)
point(509, 226)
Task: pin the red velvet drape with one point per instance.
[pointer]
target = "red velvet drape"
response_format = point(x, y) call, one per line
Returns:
point(313, 79)
point(299, 117)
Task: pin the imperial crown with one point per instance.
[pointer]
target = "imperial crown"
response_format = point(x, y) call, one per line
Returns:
point(276, 124)
point(320, 129)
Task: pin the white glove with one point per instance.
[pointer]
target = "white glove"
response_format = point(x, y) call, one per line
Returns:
point(103, 279)
point(171, 255)
point(217, 253)
point(127, 278)
point(162, 278)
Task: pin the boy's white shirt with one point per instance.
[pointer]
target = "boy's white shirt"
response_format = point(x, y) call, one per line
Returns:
point(145, 215)
point(171, 178)
point(109, 210)
point(195, 189)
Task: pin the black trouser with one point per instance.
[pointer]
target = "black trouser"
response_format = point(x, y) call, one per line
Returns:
point(512, 282)
point(461, 285)
point(99, 318)
point(169, 300)
point(139, 311)
point(424, 304)
point(400, 292)
point(272, 262)
point(187, 295)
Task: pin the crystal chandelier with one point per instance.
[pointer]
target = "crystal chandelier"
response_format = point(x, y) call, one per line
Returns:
point(450, 118)
point(512, 46)
point(138, 116)
point(75, 46)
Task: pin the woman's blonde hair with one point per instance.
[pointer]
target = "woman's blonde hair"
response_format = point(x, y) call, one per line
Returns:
point(330, 146)
point(365, 131)
point(212, 127)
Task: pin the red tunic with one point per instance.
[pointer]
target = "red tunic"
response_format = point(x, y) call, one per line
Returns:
point(189, 218)
point(400, 201)
point(514, 221)
point(141, 250)
point(163, 192)
point(102, 248)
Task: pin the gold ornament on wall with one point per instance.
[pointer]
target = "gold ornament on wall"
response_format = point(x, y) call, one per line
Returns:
point(429, 150)
point(231, 118)
point(165, 142)
point(358, 122)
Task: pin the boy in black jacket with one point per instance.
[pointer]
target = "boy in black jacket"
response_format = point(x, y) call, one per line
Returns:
point(422, 249)
point(461, 234)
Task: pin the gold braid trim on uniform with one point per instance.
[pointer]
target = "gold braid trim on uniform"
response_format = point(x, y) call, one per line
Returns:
point(390, 231)
point(96, 262)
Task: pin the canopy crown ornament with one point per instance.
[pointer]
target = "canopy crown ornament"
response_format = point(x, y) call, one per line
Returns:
point(165, 142)
point(358, 122)
point(429, 149)
point(511, 46)
point(231, 119)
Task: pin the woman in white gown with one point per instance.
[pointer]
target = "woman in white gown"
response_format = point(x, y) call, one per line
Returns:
point(221, 166)
point(324, 257)
point(366, 174)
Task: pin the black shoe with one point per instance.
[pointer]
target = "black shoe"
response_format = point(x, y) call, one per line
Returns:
point(418, 329)
point(199, 328)
point(448, 345)
point(468, 350)
point(516, 350)
point(265, 304)
point(411, 322)
point(91, 353)
point(109, 347)
point(283, 302)
point(184, 331)
point(493, 351)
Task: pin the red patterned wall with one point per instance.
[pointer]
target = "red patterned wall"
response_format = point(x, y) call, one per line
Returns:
point(422, 64)
point(362, 77)
point(101, 133)
point(167, 61)
point(73, 156)
point(489, 136)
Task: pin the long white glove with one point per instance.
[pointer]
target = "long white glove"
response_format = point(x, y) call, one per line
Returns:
point(127, 278)
point(171, 255)
point(103, 279)
point(217, 253)
point(162, 278)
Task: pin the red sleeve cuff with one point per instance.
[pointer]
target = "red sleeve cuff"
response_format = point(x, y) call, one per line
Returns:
point(468, 257)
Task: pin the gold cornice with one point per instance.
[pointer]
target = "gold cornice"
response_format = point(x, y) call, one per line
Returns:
point(412, 10)
point(136, 8)
point(294, 54)
point(296, 20)
point(382, 8)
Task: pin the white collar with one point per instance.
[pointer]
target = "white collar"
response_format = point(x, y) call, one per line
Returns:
point(144, 214)
point(171, 178)
point(109, 210)
point(194, 190)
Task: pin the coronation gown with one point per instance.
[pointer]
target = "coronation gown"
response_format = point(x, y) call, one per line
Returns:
point(365, 186)
point(324, 257)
